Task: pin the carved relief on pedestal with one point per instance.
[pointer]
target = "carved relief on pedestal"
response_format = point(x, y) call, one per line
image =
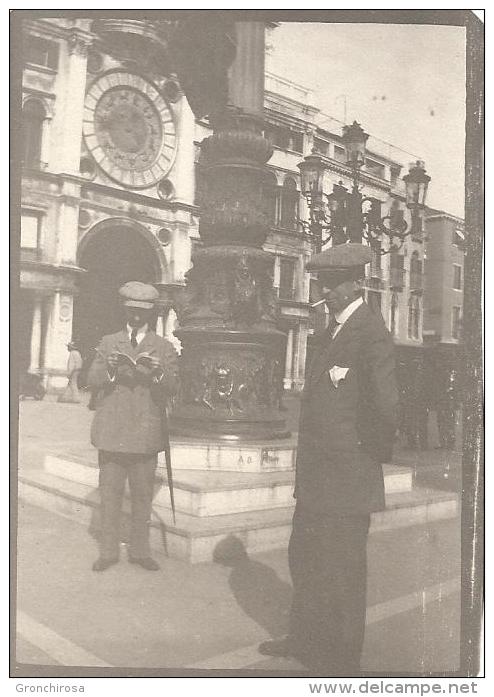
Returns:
point(234, 382)
point(230, 288)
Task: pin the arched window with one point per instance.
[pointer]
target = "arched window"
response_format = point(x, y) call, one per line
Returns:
point(415, 263)
point(393, 314)
point(414, 317)
point(416, 272)
point(289, 205)
point(270, 195)
point(33, 116)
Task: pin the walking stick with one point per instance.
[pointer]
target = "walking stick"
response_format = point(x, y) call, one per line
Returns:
point(168, 461)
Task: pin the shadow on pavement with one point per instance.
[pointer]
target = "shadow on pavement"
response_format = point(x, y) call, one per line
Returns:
point(257, 588)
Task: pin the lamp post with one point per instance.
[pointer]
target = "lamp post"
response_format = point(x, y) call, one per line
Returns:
point(348, 216)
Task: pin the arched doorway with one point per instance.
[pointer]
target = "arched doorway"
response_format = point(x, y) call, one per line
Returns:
point(112, 253)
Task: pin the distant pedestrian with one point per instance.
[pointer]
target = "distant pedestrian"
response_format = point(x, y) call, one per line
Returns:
point(134, 373)
point(71, 393)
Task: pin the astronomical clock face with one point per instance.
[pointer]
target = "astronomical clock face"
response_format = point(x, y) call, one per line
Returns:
point(129, 129)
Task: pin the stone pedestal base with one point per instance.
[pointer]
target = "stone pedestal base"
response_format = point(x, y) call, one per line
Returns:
point(251, 456)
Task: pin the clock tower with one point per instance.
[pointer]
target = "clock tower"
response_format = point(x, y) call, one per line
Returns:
point(137, 163)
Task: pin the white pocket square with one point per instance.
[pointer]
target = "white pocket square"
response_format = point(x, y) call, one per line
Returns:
point(337, 373)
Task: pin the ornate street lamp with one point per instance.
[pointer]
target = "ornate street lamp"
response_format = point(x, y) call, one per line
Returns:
point(417, 183)
point(355, 138)
point(312, 169)
point(349, 216)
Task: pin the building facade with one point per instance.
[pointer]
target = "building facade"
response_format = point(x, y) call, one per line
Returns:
point(111, 192)
point(444, 278)
point(443, 309)
point(107, 183)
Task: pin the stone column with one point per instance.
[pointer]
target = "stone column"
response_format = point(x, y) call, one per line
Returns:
point(67, 224)
point(34, 364)
point(179, 254)
point(183, 170)
point(296, 355)
point(302, 355)
point(58, 334)
point(68, 120)
point(287, 380)
point(276, 272)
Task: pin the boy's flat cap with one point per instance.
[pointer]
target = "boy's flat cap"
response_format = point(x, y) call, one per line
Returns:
point(137, 294)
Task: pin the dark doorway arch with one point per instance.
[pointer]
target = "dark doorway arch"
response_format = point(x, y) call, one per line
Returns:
point(112, 253)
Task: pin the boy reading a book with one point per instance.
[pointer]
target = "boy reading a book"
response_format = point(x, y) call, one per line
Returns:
point(134, 371)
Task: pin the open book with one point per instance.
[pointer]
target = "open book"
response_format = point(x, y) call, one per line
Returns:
point(140, 359)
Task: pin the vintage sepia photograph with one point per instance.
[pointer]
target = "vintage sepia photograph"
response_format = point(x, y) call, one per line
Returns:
point(246, 343)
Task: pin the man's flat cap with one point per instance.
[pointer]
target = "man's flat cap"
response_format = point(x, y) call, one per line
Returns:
point(340, 258)
point(137, 294)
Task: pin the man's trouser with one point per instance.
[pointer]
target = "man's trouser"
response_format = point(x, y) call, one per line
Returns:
point(140, 470)
point(328, 564)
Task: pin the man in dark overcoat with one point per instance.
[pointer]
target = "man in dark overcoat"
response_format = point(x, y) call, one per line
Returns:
point(347, 428)
point(129, 427)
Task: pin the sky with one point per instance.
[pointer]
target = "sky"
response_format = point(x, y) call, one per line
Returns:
point(404, 83)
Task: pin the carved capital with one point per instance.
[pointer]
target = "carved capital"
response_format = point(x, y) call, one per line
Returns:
point(78, 44)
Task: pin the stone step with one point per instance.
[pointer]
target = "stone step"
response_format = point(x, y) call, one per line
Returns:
point(195, 539)
point(203, 494)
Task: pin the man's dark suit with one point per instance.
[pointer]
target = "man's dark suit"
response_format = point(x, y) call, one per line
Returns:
point(346, 432)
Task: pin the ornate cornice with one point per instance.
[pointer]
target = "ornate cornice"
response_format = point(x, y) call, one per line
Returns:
point(277, 118)
point(136, 197)
point(436, 215)
point(34, 91)
point(45, 276)
point(43, 27)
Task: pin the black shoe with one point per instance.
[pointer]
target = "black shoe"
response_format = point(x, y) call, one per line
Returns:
point(281, 648)
point(146, 563)
point(102, 564)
